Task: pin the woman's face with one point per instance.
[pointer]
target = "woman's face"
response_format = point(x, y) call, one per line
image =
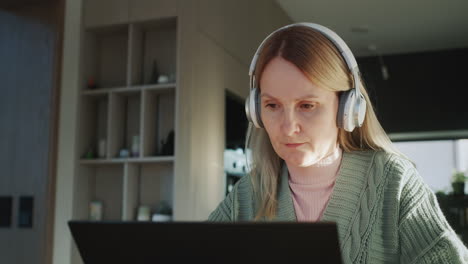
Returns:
point(299, 117)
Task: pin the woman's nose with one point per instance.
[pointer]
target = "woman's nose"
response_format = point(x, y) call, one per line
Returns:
point(290, 123)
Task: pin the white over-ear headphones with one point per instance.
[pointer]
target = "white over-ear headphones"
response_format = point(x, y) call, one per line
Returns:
point(352, 107)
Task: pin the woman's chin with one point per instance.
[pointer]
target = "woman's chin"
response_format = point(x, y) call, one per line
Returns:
point(296, 160)
point(299, 160)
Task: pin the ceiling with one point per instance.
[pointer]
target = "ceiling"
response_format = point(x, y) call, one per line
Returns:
point(392, 27)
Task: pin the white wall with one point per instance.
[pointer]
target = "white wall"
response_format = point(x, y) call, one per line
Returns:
point(435, 161)
point(462, 155)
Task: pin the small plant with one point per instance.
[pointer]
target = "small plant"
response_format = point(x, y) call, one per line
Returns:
point(458, 176)
point(458, 182)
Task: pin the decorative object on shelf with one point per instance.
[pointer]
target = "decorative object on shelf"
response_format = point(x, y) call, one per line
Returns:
point(102, 148)
point(163, 79)
point(89, 154)
point(154, 73)
point(136, 146)
point(235, 161)
point(458, 182)
point(124, 153)
point(161, 218)
point(143, 213)
point(168, 145)
point(92, 83)
point(95, 210)
point(163, 212)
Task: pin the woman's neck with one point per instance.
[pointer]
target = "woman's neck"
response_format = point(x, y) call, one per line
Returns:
point(323, 170)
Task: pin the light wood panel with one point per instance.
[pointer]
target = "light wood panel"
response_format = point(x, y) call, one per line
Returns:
point(105, 12)
point(67, 173)
point(135, 53)
point(141, 10)
point(130, 191)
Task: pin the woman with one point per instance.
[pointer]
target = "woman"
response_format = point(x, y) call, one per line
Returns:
point(319, 154)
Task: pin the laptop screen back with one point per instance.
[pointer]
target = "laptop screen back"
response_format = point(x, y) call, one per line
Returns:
point(205, 242)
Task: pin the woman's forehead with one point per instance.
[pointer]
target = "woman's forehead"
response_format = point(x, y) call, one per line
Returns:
point(282, 79)
point(298, 97)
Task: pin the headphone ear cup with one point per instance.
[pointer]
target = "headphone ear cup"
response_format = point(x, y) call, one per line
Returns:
point(247, 108)
point(258, 108)
point(345, 110)
point(252, 108)
point(341, 103)
point(361, 106)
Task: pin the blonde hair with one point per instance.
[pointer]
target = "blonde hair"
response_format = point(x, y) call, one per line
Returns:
point(319, 60)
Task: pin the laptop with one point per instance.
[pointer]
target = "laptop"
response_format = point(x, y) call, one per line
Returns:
point(205, 242)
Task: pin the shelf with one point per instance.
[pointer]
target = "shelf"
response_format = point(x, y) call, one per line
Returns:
point(158, 122)
point(161, 159)
point(156, 184)
point(152, 50)
point(94, 119)
point(127, 109)
point(100, 91)
point(163, 87)
point(105, 184)
point(106, 57)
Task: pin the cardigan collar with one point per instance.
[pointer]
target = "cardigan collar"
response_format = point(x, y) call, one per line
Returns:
point(344, 200)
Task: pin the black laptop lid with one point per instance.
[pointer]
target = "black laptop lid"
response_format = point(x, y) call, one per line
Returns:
point(205, 242)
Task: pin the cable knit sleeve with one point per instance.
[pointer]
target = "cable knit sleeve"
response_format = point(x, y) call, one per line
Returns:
point(425, 235)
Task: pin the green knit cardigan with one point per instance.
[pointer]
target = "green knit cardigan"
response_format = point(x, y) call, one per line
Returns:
point(384, 211)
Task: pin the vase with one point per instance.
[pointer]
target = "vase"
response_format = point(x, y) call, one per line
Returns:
point(136, 146)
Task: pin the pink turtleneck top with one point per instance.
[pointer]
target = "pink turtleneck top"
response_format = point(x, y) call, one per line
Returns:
point(311, 194)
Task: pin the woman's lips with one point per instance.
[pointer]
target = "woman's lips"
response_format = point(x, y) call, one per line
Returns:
point(293, 145)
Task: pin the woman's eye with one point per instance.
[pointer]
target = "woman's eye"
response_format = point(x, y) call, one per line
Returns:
point(307, 106)
point(272, 106)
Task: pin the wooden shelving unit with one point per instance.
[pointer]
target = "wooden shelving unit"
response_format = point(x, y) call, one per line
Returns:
point(127, 102)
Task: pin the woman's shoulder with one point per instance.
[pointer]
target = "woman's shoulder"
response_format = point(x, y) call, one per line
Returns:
point(385, 163)
point(394, 160)
point(396, 168)
point(383, 158)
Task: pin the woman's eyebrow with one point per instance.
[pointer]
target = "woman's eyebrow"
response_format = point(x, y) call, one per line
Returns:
point(267, 95)
point(298, 99)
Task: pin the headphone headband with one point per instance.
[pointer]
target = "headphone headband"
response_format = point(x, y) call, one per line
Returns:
point(339, 43)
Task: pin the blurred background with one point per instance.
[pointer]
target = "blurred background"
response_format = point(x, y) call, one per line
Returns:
point(130, 110)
